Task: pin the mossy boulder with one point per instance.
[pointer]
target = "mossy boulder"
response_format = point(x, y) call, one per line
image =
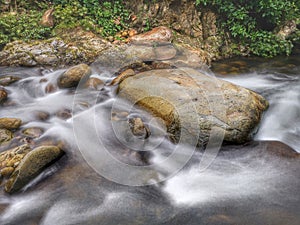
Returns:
point(192, 104)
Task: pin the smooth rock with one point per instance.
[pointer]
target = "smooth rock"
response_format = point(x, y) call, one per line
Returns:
point(10, 123)
point(5, 136)
point(192, 104)
point(157, 34)
point(31, 165)
point(72, 76)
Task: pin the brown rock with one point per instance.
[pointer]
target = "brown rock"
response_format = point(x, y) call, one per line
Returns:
point(191, 104)
point(31, 165)
point(94, 83)
point(281, 149)
point(50, 88)
point(158, 34)
point(72, 76)
point(64, 114)
point(7, 171)
point(127, 73)
point(33, 132)
point(3, 95)
point(138, 128)
point(5, 136)
point(10, 123)
point(47, 18)
point(11, 158)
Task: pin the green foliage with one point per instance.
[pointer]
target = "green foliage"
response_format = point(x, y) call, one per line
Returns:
point(20, 19)
point(106, 17)
point(252, 22)
point(21, 26)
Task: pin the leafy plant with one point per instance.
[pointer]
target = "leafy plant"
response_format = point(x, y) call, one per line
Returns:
point(252, 22)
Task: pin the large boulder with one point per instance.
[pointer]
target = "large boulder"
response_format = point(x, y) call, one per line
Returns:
point(192, 104)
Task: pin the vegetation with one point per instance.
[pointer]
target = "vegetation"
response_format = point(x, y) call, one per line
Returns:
point(252, 22)
point(21, 19)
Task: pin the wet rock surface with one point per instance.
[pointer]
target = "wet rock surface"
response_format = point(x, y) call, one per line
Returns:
point(7, 80)
point(190, 96)
point(72, 76)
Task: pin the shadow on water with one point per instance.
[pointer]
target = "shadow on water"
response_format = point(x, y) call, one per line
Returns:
point(256, 183)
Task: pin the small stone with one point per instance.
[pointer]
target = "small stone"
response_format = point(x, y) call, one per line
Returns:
point(94, 83)
point(3, 95)
point(5, 136)
point(40, 115)
point(158, 34)
point(31, 165)
point(64, 114)
point(50, 88)
point(47, 18)
point(33, 132)
point(10, 123)
point(7, 80)
point(138, 128)
point(72, 76)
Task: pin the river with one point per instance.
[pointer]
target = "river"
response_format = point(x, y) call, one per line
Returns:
point(247, 185)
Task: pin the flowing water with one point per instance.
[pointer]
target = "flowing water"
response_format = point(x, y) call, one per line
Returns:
point(244, 185)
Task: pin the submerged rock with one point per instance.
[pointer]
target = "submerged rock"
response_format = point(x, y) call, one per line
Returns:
point(138, 128)
point(7, 80)
point(192, 104)
point(72, 76)
point(10, 123)
point(31, 165)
